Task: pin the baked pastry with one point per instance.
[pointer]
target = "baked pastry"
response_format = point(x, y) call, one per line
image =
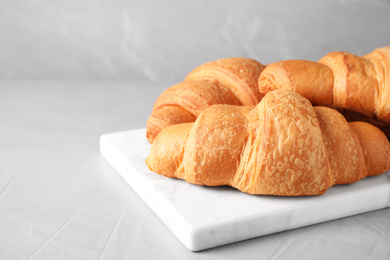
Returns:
point(358, 86)
point(230, 81)
point(283, 146)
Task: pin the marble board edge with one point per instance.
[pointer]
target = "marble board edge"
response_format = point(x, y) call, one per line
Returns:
point(192, 236)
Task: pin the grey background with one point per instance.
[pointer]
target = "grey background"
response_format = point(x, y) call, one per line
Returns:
point(161, 41)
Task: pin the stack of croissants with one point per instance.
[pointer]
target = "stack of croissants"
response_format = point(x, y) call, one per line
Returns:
point(289, 128)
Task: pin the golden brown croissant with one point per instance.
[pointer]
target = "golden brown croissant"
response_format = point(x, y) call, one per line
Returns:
point(283, 146)
point(226, 81)
point(359, 86)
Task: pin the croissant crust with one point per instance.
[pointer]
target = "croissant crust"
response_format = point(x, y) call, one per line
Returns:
point(283, 146)
point(358, 86)
point(231, 81)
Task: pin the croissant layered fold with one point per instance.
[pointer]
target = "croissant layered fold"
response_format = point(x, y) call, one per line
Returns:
point(231, 81)
point(359, 86)
point(282, 146)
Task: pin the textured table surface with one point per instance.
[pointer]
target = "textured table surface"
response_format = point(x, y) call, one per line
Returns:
point(59, 199)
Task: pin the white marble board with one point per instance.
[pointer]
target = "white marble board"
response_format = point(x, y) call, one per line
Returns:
point(205, 217)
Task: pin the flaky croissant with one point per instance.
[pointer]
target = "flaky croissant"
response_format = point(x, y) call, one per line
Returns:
point(283, 146)
point(230, 81)
point(358, 86)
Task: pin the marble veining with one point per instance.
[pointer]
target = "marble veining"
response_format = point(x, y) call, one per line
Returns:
point(204, 217)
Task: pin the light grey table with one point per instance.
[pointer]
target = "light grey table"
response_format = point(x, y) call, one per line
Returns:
point(59, 199)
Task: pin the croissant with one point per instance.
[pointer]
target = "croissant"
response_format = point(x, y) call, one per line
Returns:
point(283, 146)
point(358, 86)
point(230, 81)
